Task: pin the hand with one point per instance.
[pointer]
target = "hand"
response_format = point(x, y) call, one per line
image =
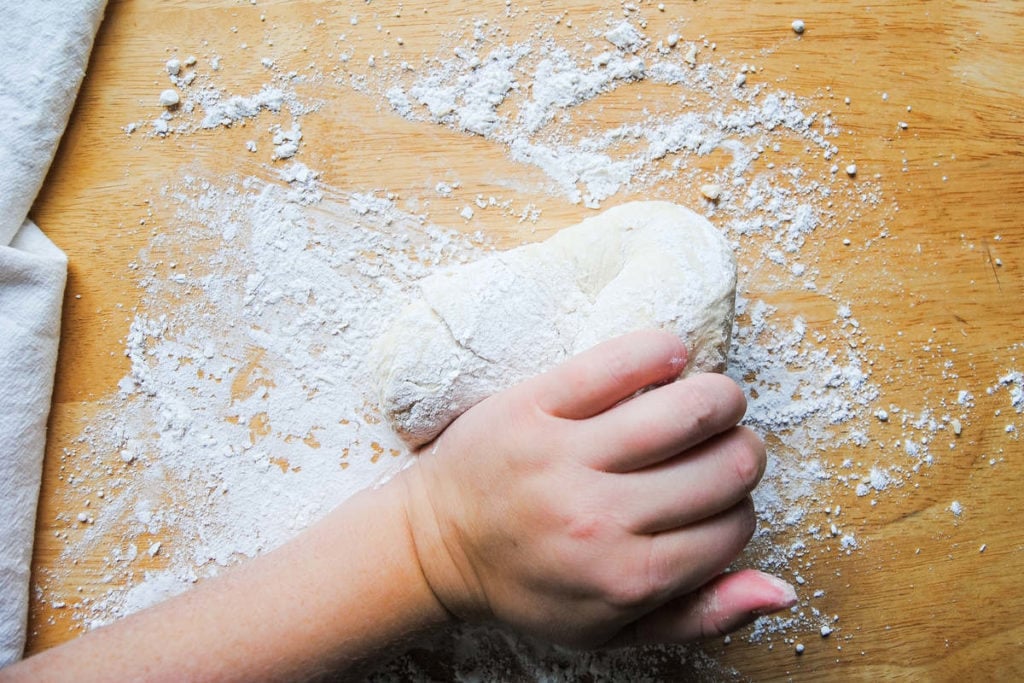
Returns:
point(574, 509)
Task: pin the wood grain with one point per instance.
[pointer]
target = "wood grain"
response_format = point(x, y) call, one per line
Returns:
point(920, 602)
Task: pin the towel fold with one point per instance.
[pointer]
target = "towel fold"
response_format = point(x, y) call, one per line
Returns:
point(32, 273)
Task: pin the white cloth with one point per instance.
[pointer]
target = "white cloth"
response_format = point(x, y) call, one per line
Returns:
point(44, 49)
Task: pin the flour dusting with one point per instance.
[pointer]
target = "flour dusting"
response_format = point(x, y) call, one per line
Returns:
point(249, 410)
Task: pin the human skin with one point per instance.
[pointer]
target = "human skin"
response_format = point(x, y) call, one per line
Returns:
point(570, 507)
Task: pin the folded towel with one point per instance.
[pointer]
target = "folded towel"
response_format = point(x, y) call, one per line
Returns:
point(44, 49)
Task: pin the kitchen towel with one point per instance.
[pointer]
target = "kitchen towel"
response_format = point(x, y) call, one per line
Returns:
point(44, 49)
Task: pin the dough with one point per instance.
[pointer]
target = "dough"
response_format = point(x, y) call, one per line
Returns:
point(478, 328)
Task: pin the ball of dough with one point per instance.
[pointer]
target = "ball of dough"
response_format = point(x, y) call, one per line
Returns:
point(478, 328)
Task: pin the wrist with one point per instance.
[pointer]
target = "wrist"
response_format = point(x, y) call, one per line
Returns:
point(443, 565)
point(386, 515)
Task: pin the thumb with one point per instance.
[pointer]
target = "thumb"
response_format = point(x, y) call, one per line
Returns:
point(724, 604)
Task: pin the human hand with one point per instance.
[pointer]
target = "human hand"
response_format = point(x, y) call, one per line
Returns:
point(573, 509)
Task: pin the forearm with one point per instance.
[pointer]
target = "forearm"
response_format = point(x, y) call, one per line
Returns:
point(574, 507)
point(335, 596)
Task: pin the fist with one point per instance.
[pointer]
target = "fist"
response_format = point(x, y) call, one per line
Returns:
point(598, 503)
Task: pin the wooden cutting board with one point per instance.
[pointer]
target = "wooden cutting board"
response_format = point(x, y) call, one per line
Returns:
point(921, 601)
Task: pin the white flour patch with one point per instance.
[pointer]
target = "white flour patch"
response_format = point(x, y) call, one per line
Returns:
point(1013, 383)
point(248, 413)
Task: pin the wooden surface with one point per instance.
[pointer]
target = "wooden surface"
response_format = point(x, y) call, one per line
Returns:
point(919, 602)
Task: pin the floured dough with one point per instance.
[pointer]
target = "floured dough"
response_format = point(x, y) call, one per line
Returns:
point(481, 327)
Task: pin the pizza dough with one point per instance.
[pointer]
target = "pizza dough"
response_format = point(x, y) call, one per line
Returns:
point(478, 328)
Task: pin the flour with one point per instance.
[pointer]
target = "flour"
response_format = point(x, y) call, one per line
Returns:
point(1013, 382)
point(194, 93)
point(250, 407)
point(467, 93)
point(169, 98)
point(221, 112)
point(286, 142)
point(626, 37)
point(263, 426)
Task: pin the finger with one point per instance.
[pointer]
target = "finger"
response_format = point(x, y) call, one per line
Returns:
point(597, 379)
point(663, 422)
point(698, 484)
point(724, 604)
point(704, 549)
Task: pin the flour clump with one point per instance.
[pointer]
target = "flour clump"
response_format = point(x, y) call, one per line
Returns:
point(481, 327)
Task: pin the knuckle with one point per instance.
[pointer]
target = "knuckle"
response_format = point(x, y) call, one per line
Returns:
point(626, 590)
point(712, 626)
point(722, 397)
point(702, 413)
point(746, 471)
point(746, 519)
point(661, 572)
point(748, 459)
point(639, 581)
point(734, 396)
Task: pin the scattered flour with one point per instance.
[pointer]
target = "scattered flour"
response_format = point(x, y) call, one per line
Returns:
point(248, 411)
point(523, 96)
